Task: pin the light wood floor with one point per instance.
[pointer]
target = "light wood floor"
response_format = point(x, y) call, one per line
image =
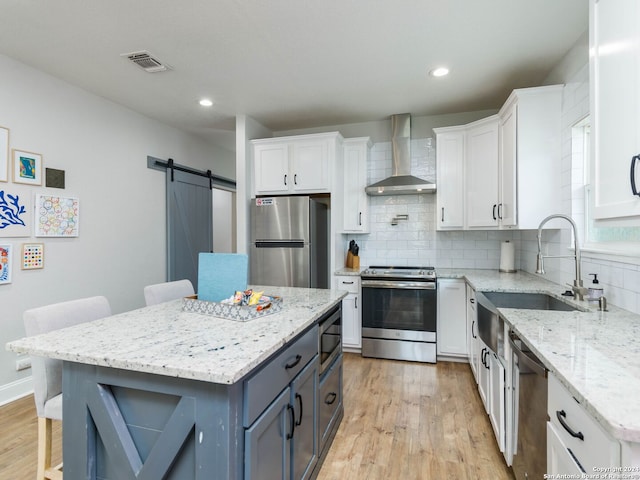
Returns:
point(406, 420)
point(19, 440)
point(402, 420)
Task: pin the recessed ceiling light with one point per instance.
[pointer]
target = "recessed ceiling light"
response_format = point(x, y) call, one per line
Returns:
point(205, 102)
point(439, 72)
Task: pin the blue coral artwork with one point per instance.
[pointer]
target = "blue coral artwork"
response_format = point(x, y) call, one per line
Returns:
point(15, 214)
point(6, 265)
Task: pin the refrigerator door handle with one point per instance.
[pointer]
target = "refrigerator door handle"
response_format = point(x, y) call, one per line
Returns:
point(279, 244)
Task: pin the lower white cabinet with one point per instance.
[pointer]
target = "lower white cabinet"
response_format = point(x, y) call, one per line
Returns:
point(452, 318)
point(351, 316)
point(497, 398)
point(576, 443)
point(472, 331)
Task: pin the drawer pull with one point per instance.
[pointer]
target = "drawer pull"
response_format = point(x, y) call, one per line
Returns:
point(347, 283)
point(330, 398)
point(561, 414)
point(294, 363)
point(292, 419)
point(299, 399)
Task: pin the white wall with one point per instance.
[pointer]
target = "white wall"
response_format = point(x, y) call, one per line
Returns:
point(103, 149)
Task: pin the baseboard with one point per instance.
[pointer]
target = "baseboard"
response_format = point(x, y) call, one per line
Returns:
point(15, 390)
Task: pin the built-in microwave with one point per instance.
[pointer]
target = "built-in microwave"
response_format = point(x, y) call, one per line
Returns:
point(330, 338)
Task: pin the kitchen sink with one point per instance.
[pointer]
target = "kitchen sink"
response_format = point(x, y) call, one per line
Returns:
point(528, 301)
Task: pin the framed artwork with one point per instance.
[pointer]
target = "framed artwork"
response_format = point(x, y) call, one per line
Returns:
point(4, 154)
point(27, 167)
point(6, 265)
point(32, 256)
point(57, 216)
point(15, 211)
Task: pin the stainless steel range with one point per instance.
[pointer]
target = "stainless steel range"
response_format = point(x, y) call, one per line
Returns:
point(399, 307)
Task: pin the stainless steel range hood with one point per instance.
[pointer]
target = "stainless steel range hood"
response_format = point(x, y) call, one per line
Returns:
point(401, 182)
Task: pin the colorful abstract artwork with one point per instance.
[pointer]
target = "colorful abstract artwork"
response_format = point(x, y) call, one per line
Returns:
point(6, 266)
point(15, 213)
point(27, 167)
point(57, 216)
point(32, 256)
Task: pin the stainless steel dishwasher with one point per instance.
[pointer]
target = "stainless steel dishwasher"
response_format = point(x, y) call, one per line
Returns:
point(530, 409)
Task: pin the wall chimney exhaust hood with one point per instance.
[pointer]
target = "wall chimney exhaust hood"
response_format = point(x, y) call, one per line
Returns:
point(401, 182)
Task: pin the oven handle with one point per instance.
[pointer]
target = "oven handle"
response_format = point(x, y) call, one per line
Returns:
point(395, 284)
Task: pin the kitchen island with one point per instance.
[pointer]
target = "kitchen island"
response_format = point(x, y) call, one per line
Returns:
point(161, 393)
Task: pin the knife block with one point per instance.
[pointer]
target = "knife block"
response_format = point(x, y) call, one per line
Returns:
point(349, 260)
point(356, 262)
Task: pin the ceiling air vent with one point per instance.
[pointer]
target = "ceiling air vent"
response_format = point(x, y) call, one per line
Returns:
point(146, 61)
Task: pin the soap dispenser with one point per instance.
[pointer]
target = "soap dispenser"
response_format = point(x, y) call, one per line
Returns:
point(595, 292)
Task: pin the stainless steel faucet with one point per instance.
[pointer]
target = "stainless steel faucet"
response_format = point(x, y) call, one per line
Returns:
point(578, 290)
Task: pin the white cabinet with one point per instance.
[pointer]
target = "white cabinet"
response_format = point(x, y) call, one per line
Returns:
point(300, 164)
point(450, 178)
point(482, 163)
point(351, 316)
point(530, 157)
point(355, 200)
point(452, 318)
point(497, 398)
point(472, 332)
point(615, 107)
point(509, 175)
point(572, 431)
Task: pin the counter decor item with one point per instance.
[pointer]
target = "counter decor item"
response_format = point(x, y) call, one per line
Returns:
point(221, 274)
point(353, 260)
point(595, 292)
point(240, 313)
point(507, 257)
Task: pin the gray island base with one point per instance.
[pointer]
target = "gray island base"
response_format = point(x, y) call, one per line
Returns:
point(257, 407)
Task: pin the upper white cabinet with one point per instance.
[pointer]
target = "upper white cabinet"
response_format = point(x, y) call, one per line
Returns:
point(450, 178)
point(506, 171)
point(615, 107)
point(299, 164)
point(530, 156)
point(355, 201)
point(482, 173)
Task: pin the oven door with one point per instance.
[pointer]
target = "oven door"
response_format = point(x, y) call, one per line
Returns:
point(407, 308)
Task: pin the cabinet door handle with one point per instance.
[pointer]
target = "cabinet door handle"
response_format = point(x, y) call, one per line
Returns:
point(500, 211)
point(482, 357)
point(292, 420)
point(360, 218)
point(355, 303)
point(472, 300)
point(294, 363)
point(285, 179)
point(330, 398)
point(494, 211)
point(473, 324)
point(634, 160)
point(561, 414)
point(295, 178)
point(442, 215)
point(299, 399)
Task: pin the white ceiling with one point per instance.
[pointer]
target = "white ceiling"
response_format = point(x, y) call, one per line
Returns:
point(294, 63)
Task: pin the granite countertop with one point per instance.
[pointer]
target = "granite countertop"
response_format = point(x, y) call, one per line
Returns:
point(164, 340)
point(596, 355)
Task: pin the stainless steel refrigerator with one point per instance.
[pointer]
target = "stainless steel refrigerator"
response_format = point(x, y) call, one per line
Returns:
point(289, 242)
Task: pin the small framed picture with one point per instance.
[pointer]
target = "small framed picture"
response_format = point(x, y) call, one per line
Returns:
point(6, 264)
point(27, 167)
point(32, 256)
point(4, 154)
